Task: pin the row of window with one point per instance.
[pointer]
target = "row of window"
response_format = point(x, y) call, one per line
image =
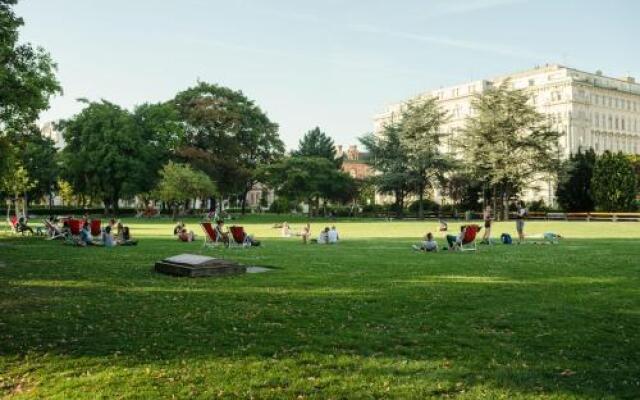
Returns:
point(615, 122)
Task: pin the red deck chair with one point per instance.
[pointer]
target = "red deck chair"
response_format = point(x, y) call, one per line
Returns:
point(13, 224)
point(75, 226)
point(469, 239)
point(95, 227)
point(239, 236)
point(211, 238)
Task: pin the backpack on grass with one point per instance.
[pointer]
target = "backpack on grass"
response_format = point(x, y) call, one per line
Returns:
point(506, 238)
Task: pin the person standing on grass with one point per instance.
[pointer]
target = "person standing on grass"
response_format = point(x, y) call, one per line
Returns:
point(521, 214)
point(486, 216)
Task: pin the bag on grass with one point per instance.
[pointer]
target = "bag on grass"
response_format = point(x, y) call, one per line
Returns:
point(506, 238)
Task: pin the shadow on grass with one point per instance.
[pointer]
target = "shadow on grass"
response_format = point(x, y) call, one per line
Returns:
point(507, 317)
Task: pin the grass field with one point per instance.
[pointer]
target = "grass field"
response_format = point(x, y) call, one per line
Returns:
point(368, 318)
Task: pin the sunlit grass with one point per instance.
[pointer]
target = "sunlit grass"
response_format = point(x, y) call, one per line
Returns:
point(368, 318)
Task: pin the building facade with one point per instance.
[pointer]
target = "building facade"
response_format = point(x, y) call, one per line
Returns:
point(590, 109)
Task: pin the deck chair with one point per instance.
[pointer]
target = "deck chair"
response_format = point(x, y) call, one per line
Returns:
point(95, 227)
point(53, 231)
point(211, 237)
point(75, 226)
point(469, 239)
point(240, 238)
point(13, 224)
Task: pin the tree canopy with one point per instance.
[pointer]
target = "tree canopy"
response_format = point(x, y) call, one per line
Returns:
point(507, 143)
point(179, 183)
point(614, 182)
point(27, 75)
point(574, 192)
point(316, 143)
point(106, 155)
point(226, 135)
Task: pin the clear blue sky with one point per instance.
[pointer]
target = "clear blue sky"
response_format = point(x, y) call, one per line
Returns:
point(327, 62)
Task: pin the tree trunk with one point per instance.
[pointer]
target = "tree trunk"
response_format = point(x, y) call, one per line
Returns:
point(24, 205)
point(420, 205)
point(243, 202)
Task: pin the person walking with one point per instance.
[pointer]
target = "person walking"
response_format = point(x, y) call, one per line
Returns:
point(487, 217)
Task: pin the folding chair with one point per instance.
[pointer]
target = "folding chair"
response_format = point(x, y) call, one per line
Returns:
point(95, 227)
point(240, 238)
point(13, 224)
point(469, 239)
point(53, 231)
point(211, 237)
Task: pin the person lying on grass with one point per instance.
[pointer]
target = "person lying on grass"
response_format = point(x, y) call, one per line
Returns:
point(428, 244)
point(547, 237)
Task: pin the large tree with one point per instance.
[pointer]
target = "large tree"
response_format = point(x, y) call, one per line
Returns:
point(227, 136)
point(179, 183)
point(105, 156)
point(574, 192)
point(162, 132)
point(389, 157)
point(316, 143)
point(310, 180)
point(507, 143)
point(27, 75)
point(420, 137)
point(614, 182)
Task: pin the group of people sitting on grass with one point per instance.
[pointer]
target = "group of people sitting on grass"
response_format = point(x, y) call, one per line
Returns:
point(455, 242)
point(107, 239)
point(326, 235)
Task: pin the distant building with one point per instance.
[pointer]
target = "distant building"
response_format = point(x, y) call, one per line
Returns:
point(592, 110)
point(354, 162)
point(48, 130)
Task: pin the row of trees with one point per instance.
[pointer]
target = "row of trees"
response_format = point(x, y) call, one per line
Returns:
point(605, 182)
point(212, 142)
point(504, 146)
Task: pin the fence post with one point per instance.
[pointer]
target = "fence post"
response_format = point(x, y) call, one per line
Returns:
point(614, 217)
point(588, 217)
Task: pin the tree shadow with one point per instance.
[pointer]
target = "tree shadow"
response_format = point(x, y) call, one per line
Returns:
point(563, 327)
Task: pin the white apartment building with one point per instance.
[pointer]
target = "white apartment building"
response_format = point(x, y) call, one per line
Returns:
point(592, 110)
point(48, 130)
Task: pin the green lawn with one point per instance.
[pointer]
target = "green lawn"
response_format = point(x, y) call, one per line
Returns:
point(368, 318)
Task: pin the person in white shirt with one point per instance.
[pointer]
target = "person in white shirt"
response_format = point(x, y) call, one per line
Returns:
point(323, 237)
point(428, 244)
point(333, 236)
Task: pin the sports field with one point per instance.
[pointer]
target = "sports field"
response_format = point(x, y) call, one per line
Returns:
point(367, 318)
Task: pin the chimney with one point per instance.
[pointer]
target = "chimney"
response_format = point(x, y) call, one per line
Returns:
point(599, 72)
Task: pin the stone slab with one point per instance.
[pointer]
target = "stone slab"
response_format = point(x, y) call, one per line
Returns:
point(257, 270)
point(191, 265)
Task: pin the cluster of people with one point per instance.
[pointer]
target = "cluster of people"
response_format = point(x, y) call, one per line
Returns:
point(107, 239)
point(222, 234)
point(455, 242)
point(326, 235)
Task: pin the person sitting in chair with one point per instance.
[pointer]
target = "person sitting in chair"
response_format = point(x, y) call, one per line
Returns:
point(454, 242)
point(23, 227)
point(428, 244)
point(221, 234)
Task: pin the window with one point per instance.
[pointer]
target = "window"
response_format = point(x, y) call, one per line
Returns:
point(616, 123)
point(596, 120)
point(532, 82)
point(622, 122)
point(609, 101)
point(610, 122)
